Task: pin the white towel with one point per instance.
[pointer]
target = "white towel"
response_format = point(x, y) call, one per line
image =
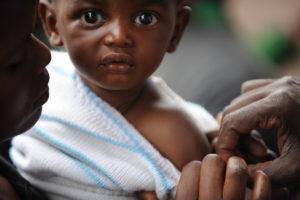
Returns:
point(82, 148)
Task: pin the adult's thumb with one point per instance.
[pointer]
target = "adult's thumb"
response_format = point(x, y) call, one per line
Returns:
point(282, 171)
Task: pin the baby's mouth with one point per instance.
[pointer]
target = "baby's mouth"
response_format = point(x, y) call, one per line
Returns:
point(118, 63)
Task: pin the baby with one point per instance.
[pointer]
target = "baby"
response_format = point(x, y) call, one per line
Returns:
point(110, 129)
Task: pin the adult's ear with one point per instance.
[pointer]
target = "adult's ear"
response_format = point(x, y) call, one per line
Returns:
point(48, 17)
point(182, 20)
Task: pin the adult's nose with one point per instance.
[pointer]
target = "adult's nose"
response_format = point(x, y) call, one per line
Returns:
point(42, 52)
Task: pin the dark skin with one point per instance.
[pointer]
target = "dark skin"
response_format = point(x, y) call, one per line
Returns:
point(115, 54)
point(41, 59)
point(212, 179)
point(23, 77)
point(6, 190)
point(266, 104)
point(263, 104)
point(117, 33)
point(44, 56)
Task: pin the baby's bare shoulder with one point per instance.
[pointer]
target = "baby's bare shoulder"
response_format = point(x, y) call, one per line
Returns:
point(168, 126)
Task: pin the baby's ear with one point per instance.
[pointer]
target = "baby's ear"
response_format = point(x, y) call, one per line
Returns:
point(48, 17)
point(182, 20)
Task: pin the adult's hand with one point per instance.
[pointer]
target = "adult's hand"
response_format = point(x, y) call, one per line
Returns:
point(206, 181)
point(266, 104)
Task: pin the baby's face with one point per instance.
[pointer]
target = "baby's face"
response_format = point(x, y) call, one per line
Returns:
point(116, 44)
point(23, 77)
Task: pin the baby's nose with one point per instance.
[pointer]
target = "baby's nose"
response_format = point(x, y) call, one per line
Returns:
point(118, 34)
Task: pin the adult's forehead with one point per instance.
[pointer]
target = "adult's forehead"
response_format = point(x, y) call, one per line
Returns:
point(16, 15)
point(11, 10)
point(8, 5)
point(16, 7)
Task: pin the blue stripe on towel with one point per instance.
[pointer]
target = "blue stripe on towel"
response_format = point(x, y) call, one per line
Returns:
point(114, 142)
point(89, 93)
point(77, 154)
point(89, 172)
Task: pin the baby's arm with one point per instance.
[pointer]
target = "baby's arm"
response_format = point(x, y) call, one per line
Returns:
point(145, 195)
point(174, 134)
point(183, 139)
point(169, 126)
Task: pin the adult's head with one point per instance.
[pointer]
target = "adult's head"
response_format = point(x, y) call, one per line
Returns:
point(23, 77)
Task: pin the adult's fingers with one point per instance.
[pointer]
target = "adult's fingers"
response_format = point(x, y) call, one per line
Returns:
point(281, 193)
point(219, 117)
point(262, 189)
point(279, 88)
point(254, 84)
point(253, 148)
point(244, 100)
point(251, 159)
point(259, 114)
point(188, 187)
point(235, 179)
point(254, 145)
point(211, 135)
point(211, 177)
point(282, 171)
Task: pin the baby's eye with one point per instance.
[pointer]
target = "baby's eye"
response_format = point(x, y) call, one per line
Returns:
point(146, 18)
point(92, 18)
